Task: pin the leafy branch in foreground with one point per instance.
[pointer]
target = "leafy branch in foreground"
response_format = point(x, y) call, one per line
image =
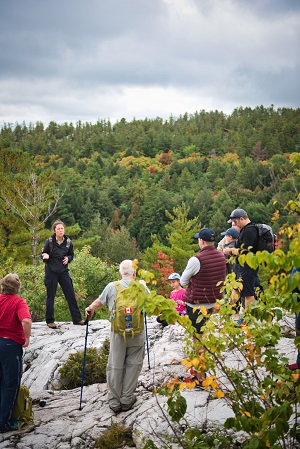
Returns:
point(243, 365)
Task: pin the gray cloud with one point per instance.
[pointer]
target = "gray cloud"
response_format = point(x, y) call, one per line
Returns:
point(73, 60)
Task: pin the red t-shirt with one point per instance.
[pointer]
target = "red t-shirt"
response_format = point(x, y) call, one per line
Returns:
point(13, 310)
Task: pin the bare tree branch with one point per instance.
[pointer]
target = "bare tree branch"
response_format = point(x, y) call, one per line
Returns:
point(34, 202)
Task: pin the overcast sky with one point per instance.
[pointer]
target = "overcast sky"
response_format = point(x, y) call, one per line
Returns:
point(70, 60)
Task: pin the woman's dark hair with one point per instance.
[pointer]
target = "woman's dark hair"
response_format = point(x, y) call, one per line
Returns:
point(57, 222)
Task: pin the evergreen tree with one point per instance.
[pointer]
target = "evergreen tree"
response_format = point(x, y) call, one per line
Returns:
point(181, 244)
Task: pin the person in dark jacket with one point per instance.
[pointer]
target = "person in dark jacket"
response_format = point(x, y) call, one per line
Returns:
point(57, 254)
point(247, 241)
point(203, 275)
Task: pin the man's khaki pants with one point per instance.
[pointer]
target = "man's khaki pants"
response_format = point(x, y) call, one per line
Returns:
point(125, 363)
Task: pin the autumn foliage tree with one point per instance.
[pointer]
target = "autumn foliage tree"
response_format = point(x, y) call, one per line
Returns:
point(162, 268)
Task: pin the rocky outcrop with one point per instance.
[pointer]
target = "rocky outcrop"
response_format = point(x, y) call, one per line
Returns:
point(59, 424)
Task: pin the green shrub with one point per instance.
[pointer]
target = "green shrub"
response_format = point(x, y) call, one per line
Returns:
point(115, 437)
point(95, 368)
point(90, 275)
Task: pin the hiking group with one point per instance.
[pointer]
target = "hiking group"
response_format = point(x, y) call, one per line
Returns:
point(198, 286)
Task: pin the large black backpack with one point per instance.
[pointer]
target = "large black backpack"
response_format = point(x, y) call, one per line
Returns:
point(266, 238)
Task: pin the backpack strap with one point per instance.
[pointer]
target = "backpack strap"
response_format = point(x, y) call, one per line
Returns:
point(258, 237)
point(117, 284)
point(119, 288)
point(50, 241)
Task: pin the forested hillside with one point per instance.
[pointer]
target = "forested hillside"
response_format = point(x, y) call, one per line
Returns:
point(141, 190)
point(116, 182)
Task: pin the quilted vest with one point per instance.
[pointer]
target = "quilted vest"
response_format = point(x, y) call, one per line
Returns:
point(203, 286)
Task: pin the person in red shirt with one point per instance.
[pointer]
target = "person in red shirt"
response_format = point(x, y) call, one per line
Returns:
point(15, 330)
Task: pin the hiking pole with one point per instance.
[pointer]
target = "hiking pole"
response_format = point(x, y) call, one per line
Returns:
point(84, 360)
point(147, 342)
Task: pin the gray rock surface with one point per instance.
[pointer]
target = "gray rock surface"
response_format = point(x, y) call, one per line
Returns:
point(61, 425)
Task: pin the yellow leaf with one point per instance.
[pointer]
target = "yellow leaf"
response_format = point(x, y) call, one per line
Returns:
point(203, 310)
point(219, 394)
point(207, 382)
point(182, 386)
point(191, 385)
point(171, 387)
point(210, 381)
point(295, 376)
point(245, 413)
point(195, 362)
point(187, 363)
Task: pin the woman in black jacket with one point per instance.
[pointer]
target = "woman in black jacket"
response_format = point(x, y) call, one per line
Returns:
point(57, 254)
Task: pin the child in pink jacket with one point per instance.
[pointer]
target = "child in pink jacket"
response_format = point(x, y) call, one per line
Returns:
point(177, 294)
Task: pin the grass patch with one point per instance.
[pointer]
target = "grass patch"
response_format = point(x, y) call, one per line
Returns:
point(115, 437)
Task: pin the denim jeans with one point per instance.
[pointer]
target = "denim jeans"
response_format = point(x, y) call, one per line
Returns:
point(11, 366)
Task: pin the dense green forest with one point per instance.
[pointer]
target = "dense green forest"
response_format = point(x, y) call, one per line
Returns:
point(141, 190)
point(113, 183)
